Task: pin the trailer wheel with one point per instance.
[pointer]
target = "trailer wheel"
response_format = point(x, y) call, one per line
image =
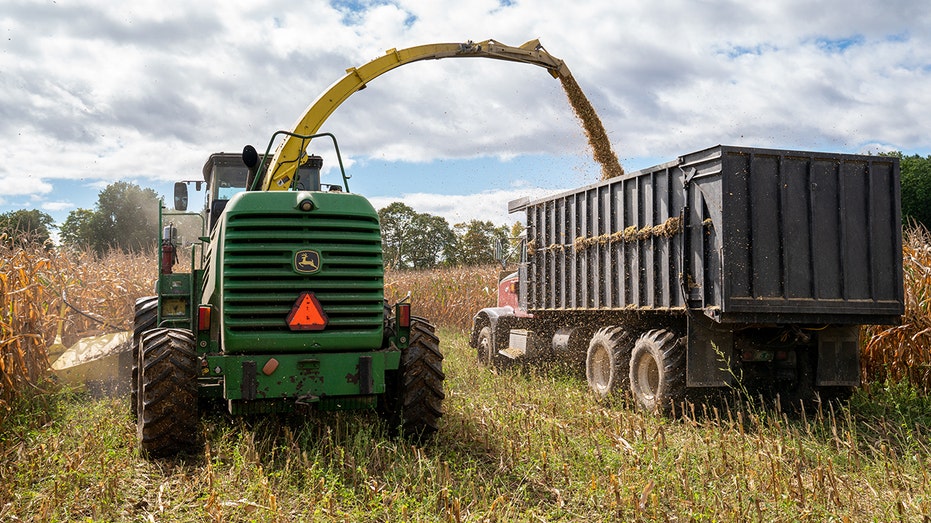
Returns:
point(145, 316)
point(413, 401)
point(606, 361)
point(657, 370)
point(167, 416)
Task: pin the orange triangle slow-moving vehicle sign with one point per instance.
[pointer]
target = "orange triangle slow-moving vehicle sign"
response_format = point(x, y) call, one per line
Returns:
point(307, 314)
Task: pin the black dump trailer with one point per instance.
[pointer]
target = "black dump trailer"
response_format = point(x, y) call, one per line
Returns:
point(728, 264)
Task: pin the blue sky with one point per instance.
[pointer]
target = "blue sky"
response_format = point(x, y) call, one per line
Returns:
point(93, 92)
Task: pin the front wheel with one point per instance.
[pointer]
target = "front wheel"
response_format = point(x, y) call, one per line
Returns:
point(413, 401)
point(167, 416)
point(657, 370)
point(606, 361)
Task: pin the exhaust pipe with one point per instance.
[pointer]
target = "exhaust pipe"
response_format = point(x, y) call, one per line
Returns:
point(250, 157)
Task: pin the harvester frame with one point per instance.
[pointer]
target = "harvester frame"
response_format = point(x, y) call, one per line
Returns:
point(212, 332)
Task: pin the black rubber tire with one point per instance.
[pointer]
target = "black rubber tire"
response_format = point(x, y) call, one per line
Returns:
point(657, 371)
point(413, 401)
point(606, 361)
point(485, 350)
point(145, 317)
point(167, 418)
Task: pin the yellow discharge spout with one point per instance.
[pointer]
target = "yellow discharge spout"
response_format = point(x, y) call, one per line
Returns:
point(290, 153)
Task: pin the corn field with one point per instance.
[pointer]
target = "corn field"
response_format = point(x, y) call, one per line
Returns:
point(47, 291)
point(903, 352)
point(446, 296)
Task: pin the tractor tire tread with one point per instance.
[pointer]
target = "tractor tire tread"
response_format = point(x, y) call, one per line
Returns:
point(167, 415)
point(413, 401)
point(145, 317)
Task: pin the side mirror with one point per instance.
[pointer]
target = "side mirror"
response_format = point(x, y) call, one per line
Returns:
point(180, 196)
point(501, 253)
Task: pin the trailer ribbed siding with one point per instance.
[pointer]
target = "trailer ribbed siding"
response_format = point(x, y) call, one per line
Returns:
point(744, 234)
point(580, 258)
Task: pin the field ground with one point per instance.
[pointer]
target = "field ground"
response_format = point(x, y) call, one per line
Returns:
point(513, 446)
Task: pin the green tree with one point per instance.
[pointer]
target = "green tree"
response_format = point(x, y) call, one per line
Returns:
point(125, 217)
point(430, 241)
point(76, 229)
point(413, 240)
point(26, 226)
point(916, 188)
point(476, 241)
point(396, 220)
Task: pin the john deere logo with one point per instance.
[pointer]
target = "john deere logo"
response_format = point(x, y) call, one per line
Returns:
point(306, 262)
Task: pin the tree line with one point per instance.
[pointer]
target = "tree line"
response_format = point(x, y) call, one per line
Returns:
point(126, 217)
point(414, 240)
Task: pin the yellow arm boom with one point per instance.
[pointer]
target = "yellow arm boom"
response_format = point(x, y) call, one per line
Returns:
point(288, 155)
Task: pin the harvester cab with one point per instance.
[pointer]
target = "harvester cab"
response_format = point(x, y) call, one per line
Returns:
point(225, 175)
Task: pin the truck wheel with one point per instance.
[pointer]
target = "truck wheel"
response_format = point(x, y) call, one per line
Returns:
point(486, 352)
point(145, 316)
point(606, 361)
point(167, 416)
point(657, 370)
point(414, 397)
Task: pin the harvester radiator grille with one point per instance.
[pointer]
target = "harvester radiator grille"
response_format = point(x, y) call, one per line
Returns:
point(261, 284)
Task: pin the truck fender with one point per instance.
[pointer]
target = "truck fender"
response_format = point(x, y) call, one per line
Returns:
point(488, 317)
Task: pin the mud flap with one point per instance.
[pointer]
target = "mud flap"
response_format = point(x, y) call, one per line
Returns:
point(707, 355)
point(838, 357)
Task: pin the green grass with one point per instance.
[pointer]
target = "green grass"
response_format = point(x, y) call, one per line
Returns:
point(513, 446)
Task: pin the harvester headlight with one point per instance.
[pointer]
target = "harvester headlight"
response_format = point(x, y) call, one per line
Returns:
point(306, 205)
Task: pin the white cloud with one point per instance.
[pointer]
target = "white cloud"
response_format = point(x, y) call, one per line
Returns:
point(18, 185)
point(463, 208)
point(57, 206)
point(141, 91)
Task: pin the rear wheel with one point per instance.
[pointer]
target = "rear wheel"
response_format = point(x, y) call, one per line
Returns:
point(145, 316)
point(606, 361)
point(167, 415)
point(413, 401)
point(657, 370)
